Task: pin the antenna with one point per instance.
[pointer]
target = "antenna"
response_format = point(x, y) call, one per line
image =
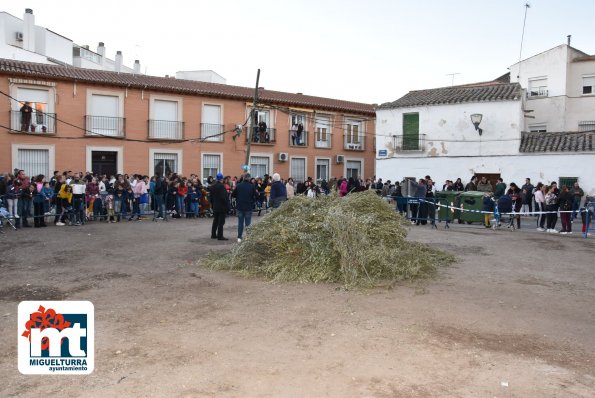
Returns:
point(527, 6)
point(452, 83)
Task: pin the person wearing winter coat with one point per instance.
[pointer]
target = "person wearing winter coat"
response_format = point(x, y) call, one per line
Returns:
point(488, 206)
point(565, 203)
point(278, 192)
point(220, 205)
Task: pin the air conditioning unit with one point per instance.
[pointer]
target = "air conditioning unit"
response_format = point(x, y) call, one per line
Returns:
point(19, 36)
point(340, 158)
point(283, 156)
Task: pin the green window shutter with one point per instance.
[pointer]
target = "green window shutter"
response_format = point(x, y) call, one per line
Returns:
point(568, 181)
point(411, 131)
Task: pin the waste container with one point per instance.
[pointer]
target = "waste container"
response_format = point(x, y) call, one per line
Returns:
point(471, 200)
point(447, 198)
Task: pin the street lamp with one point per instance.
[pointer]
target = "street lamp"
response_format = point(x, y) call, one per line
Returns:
point(476, 119)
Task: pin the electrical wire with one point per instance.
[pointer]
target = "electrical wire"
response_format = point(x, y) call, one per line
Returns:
point(95, 134)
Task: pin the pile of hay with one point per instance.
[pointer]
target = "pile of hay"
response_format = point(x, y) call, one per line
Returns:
point(355, 240)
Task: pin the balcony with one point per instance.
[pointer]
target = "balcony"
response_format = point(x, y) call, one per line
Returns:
point(40, 123)
point(104, 126)
point(353, 142)
point(211, 132)
point(266, 137)
point(301, 141)
point(166, 130)
point(413, 143)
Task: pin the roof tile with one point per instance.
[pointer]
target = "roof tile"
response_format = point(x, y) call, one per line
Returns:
point(557, 142)
point(477, 92)
point(181, 86)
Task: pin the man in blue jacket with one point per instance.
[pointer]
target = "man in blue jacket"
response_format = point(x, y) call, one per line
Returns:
point(246, 196)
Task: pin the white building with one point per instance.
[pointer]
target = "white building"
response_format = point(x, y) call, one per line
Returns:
point(542, 128)
point(23, 40)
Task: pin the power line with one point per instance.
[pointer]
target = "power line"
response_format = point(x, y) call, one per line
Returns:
point(95, 134)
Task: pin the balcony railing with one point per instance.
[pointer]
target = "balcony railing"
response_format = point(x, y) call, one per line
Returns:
point(537, 92)
point(105, 126)
point(298, 141)
point(354, 142)
point(266, 137)
point(211, 132)
point(166, 130)
point(404, 143)
point(40, 122)
point(588, 125)
point(323, 140)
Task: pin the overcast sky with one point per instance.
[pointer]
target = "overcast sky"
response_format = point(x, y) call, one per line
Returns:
point(370, 51)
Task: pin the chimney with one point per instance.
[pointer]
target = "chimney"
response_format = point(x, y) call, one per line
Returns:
point(118, 61)
point(569, 37)
point(136, 67)
point(29, 30)
point(101, 51)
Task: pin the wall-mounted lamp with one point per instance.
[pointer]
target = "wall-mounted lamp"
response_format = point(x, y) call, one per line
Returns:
point(476, 119)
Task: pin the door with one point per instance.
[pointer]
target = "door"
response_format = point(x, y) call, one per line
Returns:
point(104, 162)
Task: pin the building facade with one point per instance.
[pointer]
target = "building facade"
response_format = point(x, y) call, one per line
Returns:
point(539, 125)
point(108, 122)
point(22, 39)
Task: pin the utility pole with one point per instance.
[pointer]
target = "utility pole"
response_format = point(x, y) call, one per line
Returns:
point(251, 121)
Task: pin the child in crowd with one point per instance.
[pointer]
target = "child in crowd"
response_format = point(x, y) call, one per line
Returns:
point(48, 193)
point(194, 197)
point(109, 205)
point(488, 207)
point(65, 198)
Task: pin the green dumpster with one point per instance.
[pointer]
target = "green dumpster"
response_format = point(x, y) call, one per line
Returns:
point(447, 198)
point(471, 200)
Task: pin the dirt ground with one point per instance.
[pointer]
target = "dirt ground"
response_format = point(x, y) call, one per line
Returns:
point(514, 317)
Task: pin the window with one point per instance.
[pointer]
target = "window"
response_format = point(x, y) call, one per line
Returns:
point(538, 87)
point(353, 134)
point(538, 128)
point(211, 165)
point(104, 115)
point(34, 161)
point(262, 132)
point(165, 120)
point(211, 126)
point(354, 169)
point(322, 169)
point(38, 120)
point(165, 163)
point(588, 125)
point(298, 169)
point(259, 166)
point(568, 181)
point(588, 84)
point(410, 131)
point(323, 132)
point(298, 135)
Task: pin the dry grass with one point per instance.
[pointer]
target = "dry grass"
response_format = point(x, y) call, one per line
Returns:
point(358, 240)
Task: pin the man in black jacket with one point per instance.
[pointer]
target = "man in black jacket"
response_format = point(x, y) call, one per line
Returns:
point(246, 195)
point(220, 206)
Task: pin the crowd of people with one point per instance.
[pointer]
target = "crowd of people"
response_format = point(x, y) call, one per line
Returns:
point(546, 202)
point(74, 198)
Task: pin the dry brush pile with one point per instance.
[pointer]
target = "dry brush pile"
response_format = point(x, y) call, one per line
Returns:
point(358, 240)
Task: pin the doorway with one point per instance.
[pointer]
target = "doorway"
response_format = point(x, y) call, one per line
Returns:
point(104, 162)
point(491, 177)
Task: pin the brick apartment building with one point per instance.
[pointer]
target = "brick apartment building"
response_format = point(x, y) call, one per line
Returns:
point(109, 122)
